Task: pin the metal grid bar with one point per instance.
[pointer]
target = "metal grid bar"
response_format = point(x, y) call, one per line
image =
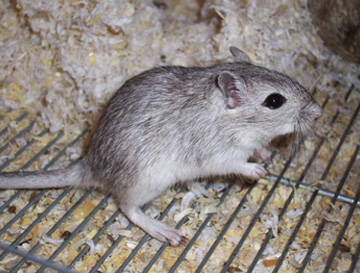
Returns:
point(109, 251)
point(340, 197)
point(257, 215)
point(146, 237)
point(25, 209)
point(78, 229)
point(323, 178)
point(22, 116)
point(35, 259)
point(351, 211)
point(151, 263)
point(196, 236)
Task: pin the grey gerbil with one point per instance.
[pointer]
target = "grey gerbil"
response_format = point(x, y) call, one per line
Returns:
point(172, 124)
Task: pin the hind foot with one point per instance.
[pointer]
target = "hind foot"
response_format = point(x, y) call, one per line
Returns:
point(153, 227)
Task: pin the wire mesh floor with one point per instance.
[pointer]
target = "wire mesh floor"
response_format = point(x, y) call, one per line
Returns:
point(305, 217)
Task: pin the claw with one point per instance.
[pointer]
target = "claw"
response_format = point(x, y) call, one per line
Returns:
point(183, 240)
point(263, 155)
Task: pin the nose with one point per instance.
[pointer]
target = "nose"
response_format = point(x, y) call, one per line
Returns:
point(317, 117)
point(318, 112)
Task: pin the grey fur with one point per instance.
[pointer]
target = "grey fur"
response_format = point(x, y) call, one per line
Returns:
point(172, 124)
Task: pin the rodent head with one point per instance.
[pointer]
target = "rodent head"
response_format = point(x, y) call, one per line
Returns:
point(271, 102)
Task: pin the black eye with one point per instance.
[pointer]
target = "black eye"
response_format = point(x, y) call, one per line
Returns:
point(274, 101)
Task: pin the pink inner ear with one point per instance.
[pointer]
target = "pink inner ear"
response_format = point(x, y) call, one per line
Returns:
point(233, 100)
point(227, 84)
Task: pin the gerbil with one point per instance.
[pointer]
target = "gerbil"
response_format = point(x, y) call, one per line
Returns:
point(172, 124)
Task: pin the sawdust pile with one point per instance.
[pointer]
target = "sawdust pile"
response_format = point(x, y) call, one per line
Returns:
point(64, 59)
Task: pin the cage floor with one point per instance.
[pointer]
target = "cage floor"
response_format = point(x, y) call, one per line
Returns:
point(304, 217)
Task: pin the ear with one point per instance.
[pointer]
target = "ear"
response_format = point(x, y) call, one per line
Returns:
point(229, 87)
point(239, 55)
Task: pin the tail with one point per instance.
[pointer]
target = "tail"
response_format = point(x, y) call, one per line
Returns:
point(70, 176)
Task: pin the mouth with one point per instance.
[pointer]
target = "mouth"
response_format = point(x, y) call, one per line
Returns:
point(318, 116)
point(305, 124)
point(317, 112)
point(307, 117)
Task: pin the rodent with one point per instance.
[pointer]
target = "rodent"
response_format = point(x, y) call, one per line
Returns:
point(173, 124)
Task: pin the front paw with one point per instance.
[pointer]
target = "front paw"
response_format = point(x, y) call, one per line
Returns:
point(263, 155)
point(254, 170)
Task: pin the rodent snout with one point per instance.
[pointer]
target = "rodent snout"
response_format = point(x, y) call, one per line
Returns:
point(318, 112)
point(310, 113)
point(317, 117)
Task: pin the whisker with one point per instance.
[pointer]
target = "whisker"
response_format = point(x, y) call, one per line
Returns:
point(297, 137)
point(312, 87)
point(319, 95)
